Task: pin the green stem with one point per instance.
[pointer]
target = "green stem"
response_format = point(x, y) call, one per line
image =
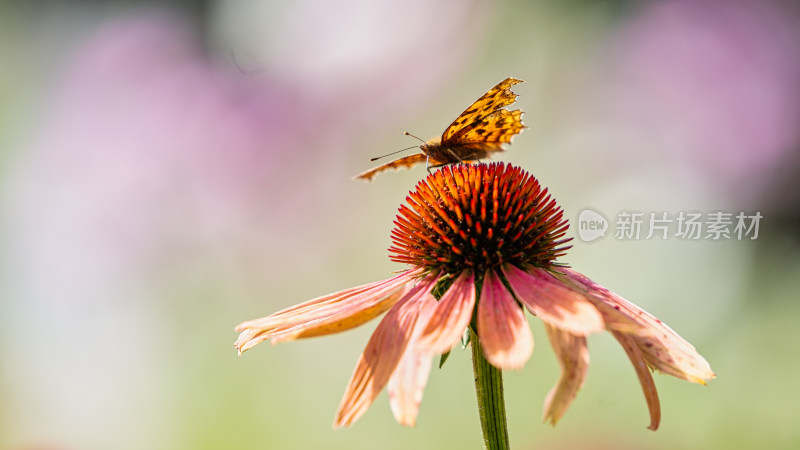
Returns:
point(491, 406)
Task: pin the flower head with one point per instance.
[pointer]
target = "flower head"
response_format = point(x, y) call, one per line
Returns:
point(479, 218)
point(483, 239)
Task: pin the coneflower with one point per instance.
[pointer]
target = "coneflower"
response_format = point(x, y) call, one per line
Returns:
point(481, 242)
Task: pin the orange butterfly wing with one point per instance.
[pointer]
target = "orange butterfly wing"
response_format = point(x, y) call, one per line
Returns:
point(485, 121)
point(406, 161)
point(495, 129)
point(484, 126)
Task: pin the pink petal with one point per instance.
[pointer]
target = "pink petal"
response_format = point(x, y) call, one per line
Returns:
point(573, 356)
point(382, 354)
point(552, 301)
point(645, 378)
point(663, 348)
point(408, 381)
point(451, 317)
point(505, 337)
point(361, 311)
point(328, 314)
point(618, 316)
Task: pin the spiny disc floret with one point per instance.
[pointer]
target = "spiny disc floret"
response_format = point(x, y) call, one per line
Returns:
point(478, 217)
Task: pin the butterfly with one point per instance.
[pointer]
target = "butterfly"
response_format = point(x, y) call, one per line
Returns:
point(481, 129)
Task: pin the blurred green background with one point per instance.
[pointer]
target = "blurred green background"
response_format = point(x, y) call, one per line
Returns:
point(153, 195)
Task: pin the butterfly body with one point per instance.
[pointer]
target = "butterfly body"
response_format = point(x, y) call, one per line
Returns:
point(439, 154)
point(480, 130)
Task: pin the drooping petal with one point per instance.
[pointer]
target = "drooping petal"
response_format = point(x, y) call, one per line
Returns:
point(548, 298)
point(613, 318)
point(573, 356)
point(505, 337)
point(645, 378)
point(451, 316)
point(618, 316)
point(382, 354)
point(663, 348)
point(359, 312)
point(407, 383)
point(328, 314)
point(333, 300)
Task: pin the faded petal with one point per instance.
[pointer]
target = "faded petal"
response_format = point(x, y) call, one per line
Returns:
point(328, 314)
point(633, 351)
point(451, 317)
point(613, 317)
point(408, 381)
point(505, 337)
point(573, 356)
point(553, 302)
point(383, 353)
point(663, 348)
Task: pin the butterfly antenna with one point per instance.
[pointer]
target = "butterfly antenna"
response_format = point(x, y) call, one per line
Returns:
point(409, 134)
point(389, 154)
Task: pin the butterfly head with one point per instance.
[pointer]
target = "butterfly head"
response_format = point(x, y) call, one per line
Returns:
point(428, 145)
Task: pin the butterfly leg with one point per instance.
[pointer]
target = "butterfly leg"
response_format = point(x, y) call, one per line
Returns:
point(436, 166)
point(429, 167)
point(453, 154)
